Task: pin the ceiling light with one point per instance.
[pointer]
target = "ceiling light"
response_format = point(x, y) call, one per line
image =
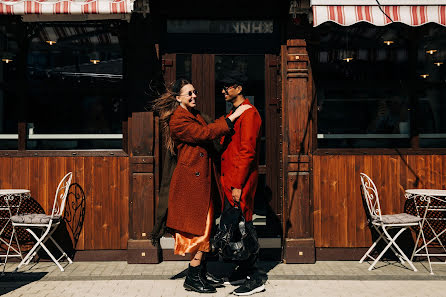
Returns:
point(389, 42)
point(95, 61)
point(438, 63)
point(50, 42)
point(431, 52)
point(6, 60)
point(347, 59)
point(424, 75)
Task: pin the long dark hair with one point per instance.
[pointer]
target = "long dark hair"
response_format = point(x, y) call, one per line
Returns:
point(165, 105)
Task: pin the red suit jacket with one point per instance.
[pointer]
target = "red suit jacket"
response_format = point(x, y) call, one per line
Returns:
point(240, 160)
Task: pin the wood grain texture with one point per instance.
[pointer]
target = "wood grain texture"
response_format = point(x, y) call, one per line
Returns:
point(297, 136)
point(272, 124)
point(203, 79)
point(339, 216)
point(104, 181)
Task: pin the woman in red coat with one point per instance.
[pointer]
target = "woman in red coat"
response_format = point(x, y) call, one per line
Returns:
point(190, 209)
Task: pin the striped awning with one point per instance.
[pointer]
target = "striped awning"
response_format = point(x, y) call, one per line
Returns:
point(345, 13)
point(23, 7)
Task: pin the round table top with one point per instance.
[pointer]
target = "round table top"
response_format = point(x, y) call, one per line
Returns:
point(13, 191)
point(429, 192)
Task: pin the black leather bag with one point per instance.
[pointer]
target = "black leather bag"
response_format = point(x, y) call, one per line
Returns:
point(235, 240)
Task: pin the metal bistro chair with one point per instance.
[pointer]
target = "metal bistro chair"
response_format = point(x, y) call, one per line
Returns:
point(46, 223)
point(383, 223)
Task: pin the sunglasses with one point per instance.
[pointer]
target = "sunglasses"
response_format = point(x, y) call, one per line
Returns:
point(225, 88)
point(190, 93)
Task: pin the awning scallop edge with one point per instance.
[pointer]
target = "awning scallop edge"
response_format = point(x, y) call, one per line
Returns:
point(54, 7)
point(347, 15)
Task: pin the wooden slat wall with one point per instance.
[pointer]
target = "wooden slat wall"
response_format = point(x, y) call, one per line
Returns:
point(203, 79)
point(339, 216)
point(104, 181)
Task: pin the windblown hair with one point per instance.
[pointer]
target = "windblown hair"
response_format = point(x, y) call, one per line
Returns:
point(164, 106)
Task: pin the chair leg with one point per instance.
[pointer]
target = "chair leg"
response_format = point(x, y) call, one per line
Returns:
point(392, 241)
point(41, 243)
point(7, 252)
point(45, 235)
point(405, 257)
point(35, 248)
point(28, 256)
point(398, 254)
point(51, 256)
point(367, 254)
point(427, 253)
point(61, 250)
point(45, 238)
point(31, 253)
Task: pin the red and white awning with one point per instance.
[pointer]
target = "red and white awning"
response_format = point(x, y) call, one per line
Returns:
point(347, 14)
point(22, 7)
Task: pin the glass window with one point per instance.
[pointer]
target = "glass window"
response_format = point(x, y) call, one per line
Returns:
point(431, 87)
point(9, 97)
point(379, 86)
point(361, 75)
point(75, 82)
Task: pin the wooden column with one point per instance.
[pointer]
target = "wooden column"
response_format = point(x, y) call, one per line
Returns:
point(296, 130)
point(203, 79)
point(144, 157)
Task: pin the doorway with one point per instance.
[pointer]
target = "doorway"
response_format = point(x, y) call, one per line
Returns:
point(262, 88)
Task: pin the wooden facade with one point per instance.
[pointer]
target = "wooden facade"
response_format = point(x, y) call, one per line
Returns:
point(315, 192)
point(104, 181)
point(339, 216)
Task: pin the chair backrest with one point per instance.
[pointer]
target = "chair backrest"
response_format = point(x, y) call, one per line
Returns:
point(371, 196)
point(61, 195)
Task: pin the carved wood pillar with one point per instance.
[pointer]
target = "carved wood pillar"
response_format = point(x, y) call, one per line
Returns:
point(296, 130)
point(144, 160)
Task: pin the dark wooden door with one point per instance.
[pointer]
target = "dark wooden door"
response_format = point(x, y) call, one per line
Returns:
point(263, 89)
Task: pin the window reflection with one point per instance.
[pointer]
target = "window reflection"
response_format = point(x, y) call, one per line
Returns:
point(379, 86)
point(9, 98)
point(76, 83)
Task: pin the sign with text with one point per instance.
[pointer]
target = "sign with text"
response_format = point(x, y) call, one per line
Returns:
point(218, 26)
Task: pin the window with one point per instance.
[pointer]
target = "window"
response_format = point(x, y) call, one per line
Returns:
point(379, 86)
point(76, 99)
point(9, 97)
point(72, 87)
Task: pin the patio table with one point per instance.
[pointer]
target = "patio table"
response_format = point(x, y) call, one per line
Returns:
point(10, 201)
point(430, 206)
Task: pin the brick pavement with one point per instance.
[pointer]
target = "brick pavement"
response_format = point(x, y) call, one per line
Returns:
point(325, 278)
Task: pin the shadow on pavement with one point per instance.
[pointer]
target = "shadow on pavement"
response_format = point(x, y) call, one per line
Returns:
point(224, 269)
point(11, 281)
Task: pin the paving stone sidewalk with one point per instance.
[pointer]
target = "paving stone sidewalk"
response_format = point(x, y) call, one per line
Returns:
point(324, 278)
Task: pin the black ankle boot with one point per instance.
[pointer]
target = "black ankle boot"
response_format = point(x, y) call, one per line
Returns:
point(211, 279)
point(195, 282)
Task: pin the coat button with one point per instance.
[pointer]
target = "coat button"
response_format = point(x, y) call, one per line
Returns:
point(197, 173)
point(222, 159)
point(222, 174)
point(201, 155)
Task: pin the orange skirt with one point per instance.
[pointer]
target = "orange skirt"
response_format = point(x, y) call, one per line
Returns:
point(186, 243)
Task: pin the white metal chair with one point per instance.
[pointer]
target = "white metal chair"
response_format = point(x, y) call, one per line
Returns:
point(383, 223)
point(46, 223)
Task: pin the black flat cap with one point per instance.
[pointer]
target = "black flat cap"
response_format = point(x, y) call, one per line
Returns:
point(234, 77)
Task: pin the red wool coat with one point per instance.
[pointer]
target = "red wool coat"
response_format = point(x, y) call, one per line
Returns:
point(240, 160)
point(190, 187)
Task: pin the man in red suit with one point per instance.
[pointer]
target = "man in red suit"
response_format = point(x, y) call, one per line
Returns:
point(239, 175)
